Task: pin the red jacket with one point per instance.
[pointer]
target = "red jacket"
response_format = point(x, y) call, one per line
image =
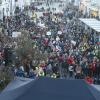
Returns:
point(93, 66)
point(70, 60)
point(89, 80)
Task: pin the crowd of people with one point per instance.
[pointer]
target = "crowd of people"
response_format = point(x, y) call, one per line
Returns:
point(71, 50)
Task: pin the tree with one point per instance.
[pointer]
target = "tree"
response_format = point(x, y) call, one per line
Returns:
point(6, 76)
point(26, 52)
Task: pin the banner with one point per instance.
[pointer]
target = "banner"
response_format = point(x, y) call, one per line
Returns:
point(16, 34)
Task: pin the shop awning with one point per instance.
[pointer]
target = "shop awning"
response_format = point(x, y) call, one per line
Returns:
point(92, 23)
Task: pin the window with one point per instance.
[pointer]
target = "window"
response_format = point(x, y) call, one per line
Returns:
point(0, 1)
point(16, 0)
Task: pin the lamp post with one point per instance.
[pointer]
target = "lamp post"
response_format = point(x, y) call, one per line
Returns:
point(3, 16)
point(11, 8)
point(7, 9)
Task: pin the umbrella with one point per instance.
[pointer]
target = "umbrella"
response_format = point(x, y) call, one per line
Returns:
point(44, 88)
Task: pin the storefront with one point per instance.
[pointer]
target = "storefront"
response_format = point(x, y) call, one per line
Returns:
point(94, 12)
point(84, 6)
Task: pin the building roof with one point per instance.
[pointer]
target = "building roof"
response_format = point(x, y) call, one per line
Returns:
point(92, 23)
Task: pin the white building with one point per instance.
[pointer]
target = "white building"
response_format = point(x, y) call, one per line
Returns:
point(4, 8)
point(7, 7)
point(16, 3)
point(76, 2)
point(95, 7)
point(91, 7)
point(27, 2)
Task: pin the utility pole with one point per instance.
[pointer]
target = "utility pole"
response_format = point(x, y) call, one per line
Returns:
point(3, 16)
point(11, 8)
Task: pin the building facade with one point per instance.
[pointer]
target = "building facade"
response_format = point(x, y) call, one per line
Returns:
point(95, 8)
point(90, 7)
point(7, 7)
point(4, 8)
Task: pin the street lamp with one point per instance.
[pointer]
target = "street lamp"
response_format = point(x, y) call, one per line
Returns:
point(10, 7)
point(3, 16)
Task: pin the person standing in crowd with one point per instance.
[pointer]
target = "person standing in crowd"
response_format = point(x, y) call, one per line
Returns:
point(78, 71)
